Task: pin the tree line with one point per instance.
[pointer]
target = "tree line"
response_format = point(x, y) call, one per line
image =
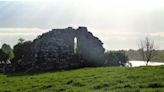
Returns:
point(12, 59)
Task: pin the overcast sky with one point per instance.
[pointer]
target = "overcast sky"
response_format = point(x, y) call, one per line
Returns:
point(120, 24)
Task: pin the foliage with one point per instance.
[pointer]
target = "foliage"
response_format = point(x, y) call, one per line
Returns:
point(8, 50)
point(115, 58)
point(22, 53)
point(21, 50)
point(135, 55)
point(6, 54)
point(147, 49)
point(3, 56)
point(102, 79)
point(21, 40)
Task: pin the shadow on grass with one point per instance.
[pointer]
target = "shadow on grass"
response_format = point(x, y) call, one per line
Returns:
point(41, 72)
point(32, 73)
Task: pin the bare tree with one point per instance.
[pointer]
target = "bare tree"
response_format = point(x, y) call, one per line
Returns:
point(147, 49)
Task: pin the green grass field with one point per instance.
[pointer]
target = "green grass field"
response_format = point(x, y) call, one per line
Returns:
point(103, 79)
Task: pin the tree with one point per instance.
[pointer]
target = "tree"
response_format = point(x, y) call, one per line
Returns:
point(8, 50)
point(22, 50)
point(22, 55)
point(3, 56)
point(116, 58)
point(21, 40)
point(147, 49)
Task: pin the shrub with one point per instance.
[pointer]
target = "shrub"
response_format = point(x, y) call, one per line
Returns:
point(115, 58)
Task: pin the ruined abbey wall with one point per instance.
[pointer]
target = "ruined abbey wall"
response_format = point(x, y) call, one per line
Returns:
point(55, 49)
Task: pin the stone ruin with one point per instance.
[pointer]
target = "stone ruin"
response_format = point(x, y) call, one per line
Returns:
point(65, 49)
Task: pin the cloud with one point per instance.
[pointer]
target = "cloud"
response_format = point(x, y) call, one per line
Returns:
point(112, 39)
point(120, 24)
point(21, 31)
point(11, 35)
point(61, 13)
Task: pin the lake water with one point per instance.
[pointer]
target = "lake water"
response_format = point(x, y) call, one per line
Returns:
point(142, 63)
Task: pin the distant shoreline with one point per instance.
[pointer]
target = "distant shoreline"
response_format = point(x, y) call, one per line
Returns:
point(143, 63)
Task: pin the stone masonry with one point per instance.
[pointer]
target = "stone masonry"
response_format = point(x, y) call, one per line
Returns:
point(55, 50)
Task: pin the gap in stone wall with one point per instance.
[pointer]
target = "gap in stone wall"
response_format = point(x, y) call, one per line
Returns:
point(75, 45)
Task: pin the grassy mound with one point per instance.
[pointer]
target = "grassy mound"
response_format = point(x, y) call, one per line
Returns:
point(103, 79)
